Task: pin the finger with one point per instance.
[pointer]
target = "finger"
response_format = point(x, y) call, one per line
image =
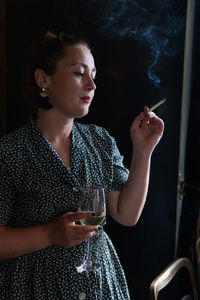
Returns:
point(157, 121)
point(80, 237)
point(67, 214)
point(150, 118)
point(85, 229)
point(81, 240)
point(151, 115)
point(146, 109)
point(144, 116)
point(139, 117)
point(148, 115)
point(137, 121)
point(157, 125)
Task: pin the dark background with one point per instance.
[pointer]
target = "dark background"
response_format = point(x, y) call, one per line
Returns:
point(123, 88)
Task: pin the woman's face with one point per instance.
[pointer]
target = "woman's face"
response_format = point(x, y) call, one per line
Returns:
point(71, 88)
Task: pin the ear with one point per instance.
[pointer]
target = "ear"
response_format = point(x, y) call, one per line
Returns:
point(41, 78)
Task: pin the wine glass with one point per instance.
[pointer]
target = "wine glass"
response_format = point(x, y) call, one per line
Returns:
point(93, 199)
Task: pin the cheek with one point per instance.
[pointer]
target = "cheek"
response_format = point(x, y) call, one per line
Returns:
point(63, 88)
point(68, 84)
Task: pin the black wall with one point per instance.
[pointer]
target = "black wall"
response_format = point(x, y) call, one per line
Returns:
point(123, 89)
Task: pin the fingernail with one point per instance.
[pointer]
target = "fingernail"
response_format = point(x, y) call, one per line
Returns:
point(93, 214)
point(100, 227)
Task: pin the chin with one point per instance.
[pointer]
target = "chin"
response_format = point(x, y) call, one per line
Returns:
point(82, 114)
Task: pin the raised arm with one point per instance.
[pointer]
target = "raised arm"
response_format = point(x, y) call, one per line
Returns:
point(126, 206)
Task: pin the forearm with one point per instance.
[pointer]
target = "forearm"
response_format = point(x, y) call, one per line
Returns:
point(19, 241)
point(133, 195)
point(127, 207)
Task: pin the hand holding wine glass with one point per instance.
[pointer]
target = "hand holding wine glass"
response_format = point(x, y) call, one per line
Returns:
point(65, 232)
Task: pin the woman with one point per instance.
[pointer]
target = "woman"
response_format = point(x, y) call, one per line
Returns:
point(44, 166)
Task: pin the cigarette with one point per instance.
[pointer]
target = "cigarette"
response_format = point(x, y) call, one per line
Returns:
point(157, 104)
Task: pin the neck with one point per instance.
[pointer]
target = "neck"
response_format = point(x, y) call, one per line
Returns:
point(54, 128)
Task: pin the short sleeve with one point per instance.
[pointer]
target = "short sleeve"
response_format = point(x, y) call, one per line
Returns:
point(7, 193)
point(120, 173)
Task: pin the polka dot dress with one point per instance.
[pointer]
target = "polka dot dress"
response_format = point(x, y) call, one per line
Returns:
point(36, 186)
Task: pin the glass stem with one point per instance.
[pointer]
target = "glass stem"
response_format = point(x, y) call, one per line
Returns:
point(88, 250)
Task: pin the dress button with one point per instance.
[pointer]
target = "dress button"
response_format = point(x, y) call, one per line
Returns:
point(82, 296)
point(75, 189)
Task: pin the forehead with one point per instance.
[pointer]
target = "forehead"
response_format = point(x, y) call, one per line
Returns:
point(78, 55)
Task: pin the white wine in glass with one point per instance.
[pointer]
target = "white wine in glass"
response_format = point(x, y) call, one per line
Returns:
point(96, 220)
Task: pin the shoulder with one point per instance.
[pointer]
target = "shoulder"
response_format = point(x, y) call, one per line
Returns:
point(96, 138)
point(94, 131)
point(11, 142)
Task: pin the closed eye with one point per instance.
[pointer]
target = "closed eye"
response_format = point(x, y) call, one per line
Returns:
point(79, 74)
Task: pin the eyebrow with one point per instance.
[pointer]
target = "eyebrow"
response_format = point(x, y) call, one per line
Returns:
point(84, 66)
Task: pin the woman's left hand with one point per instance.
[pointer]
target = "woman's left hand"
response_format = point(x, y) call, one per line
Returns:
point(146, 131)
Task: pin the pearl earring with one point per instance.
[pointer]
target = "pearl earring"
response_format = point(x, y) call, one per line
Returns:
point(43, 92)
point(43, 100)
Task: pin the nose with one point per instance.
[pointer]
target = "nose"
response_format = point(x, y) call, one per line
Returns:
point(90, 84)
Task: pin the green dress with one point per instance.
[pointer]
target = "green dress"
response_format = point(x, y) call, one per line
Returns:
point(36, 186)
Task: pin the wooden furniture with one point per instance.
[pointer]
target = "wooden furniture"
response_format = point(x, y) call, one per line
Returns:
point(165, 277)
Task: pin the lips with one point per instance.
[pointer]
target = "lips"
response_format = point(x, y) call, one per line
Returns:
point(86, 99)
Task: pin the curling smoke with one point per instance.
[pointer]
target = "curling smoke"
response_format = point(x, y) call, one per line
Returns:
point(158, 25)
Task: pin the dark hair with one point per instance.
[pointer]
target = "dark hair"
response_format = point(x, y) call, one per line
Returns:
point(45, 52)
